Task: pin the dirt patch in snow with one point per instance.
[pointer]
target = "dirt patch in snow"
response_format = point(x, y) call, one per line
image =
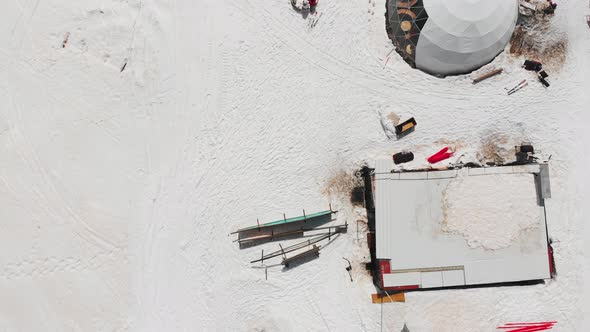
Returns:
point(344, 184)
point(357, 196)
point(388, 124)
point(535, 39)
point(394, 118)
point(452, 144)
point(487, 215)
point(494, 148)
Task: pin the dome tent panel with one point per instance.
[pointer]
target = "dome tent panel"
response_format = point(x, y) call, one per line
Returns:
point(454, 37)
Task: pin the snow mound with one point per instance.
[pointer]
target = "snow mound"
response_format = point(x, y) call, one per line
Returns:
point(490, 211)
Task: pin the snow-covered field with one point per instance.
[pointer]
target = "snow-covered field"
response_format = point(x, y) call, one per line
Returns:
point(136, 134)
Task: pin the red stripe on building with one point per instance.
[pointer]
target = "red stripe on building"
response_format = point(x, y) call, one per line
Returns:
point(385, 266)
point(401, 288)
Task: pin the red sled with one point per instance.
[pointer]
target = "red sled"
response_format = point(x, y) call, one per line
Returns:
point(440, 156)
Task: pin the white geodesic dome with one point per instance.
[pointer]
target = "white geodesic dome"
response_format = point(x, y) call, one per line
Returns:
point(446, 37)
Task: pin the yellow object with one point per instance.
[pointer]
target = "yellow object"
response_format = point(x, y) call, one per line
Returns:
point(406, 26)
point(409, 49)
point(384, 298)
point(407, 126)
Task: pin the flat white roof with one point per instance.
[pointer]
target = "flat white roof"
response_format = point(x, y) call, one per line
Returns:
point(460, 227)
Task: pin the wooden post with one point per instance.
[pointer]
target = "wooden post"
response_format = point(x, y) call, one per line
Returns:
point(304, 217)
point(329, 233)
point(488, 75)
point(284, 256)
point(266, 273)
point(262, 258)
point(331, 208)
point(284, 217)
point(258, 223)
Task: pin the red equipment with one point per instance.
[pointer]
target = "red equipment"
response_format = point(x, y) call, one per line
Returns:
point(440, 155)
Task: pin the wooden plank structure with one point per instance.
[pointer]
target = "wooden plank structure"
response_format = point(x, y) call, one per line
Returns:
point(385, 298)
point(295, 233)
point(336, 229)
point(528, 5)
point(313, 251)
point(294, 226)
point(286, 220)
point(269, 236)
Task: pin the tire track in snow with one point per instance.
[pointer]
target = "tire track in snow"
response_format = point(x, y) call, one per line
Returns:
point(378, 84)
point(175, 194)
point(314, 56)
point(31, 158)
point(49, 266)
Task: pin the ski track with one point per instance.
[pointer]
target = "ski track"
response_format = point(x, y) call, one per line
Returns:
point(119, 188)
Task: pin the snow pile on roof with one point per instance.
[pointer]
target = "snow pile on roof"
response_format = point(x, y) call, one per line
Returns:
point(490, 211)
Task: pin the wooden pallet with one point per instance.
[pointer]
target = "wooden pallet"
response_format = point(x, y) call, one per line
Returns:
point(384, 298)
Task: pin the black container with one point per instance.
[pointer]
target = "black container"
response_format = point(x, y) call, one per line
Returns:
point(527, 148)
point(532, 65)
point(405, 127)
point(403, 157)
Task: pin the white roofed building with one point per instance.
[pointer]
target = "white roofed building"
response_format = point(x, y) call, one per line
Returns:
point(463, 227)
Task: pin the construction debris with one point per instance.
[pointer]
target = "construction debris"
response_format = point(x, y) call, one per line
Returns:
point(309, 253)
point(527, 8)
point(332, 231)
point(537, 67)
point(282, 227)
point(542, 75)
point(534, 7)
point(348, 268)
point(517, 87)
point(550, 8)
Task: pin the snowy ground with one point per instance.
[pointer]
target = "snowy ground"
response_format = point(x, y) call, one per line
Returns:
point(135, 135)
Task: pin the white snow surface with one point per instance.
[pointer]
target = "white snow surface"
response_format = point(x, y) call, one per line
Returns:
point(118, 188)
point(491, 211)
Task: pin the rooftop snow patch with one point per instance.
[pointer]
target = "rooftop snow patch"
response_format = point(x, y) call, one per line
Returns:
point(470, 226)
point(490, 211)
